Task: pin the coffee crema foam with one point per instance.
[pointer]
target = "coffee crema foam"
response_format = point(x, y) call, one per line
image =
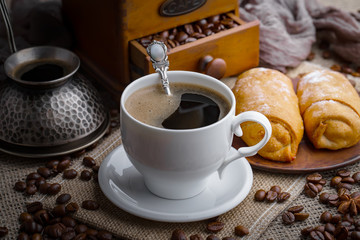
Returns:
point(152, 106)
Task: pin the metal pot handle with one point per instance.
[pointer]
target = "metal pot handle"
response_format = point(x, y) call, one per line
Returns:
point(9, 31)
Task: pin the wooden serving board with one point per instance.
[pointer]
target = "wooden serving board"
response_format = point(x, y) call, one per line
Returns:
point(308, 158)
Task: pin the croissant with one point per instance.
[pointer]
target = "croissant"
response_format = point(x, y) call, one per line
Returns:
point(330, 107)
point(271, 93)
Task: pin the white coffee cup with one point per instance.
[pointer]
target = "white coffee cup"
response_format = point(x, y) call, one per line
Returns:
point(176, 164)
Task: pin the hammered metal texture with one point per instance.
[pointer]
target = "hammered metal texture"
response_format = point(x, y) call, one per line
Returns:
point(49, 117)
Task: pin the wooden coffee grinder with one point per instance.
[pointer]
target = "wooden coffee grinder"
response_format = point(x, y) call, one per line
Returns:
point(112, 35)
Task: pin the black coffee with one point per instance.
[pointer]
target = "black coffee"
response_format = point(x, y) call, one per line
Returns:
point(44, 72)
point(195, 111)
point(189, 106)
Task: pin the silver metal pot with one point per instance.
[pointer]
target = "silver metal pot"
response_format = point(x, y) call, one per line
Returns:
point(47, 118)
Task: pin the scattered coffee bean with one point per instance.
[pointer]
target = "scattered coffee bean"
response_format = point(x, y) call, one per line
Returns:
point(310, 190)
point(295, 209)
point(288, 218)
point(260, 195)
point(72, 207)
point(212, 237)
point(301, 216)
point(89, 162)
point(34, 207)
point(54, 189)
point(283, 196)
point(196, 237)
point(63, 164)
point(63, 198)
point(86, 175)
point(215, 227)
point(30, 190)
point(20, 186)
point(90, 205)
point(271, 196)
point(241, 231)
point(3, 231)
point(69, 174)
point(178, 235)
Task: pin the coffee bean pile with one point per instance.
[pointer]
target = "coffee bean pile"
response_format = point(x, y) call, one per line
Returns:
point(39, 223)
point(346, 223)
point(190, 32)
point(213, 227)
point(293, 214)
point(273, 194)
point(58, 223)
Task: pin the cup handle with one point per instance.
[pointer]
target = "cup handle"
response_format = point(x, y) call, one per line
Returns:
point(251, 116)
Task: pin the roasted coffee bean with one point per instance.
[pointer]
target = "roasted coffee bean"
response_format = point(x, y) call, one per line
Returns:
point(348, 180)
point(356, 177)
point(54, 189)
point(81, 236)
point(63, 164)
point(310, 190)
point(25, 217)
point(51, 164)
point(328, 236)
point(271, 196)
point(317, 235)
point(104, 235)
point(335, 181)
point(325, 217)
point(34, 207)
point(68, 235)
point(69, 174)
point(59, 210)
point(306, 231)
point(44, 172)
point(89, 162)
point(314, 178)
point(288, 218)
point(301, 216)
point(32, 227)
point(90, 205)
point(56, 230)
point(72, 207)
point(3, 231)
point(283, 196)
point(43, 188)
point(215, 227)
point(63, 198)
point(30, 190)
point(178, 235)
point(86, 175)
point(212, 237)
point(33, 176)
point(23, 236)
point(276, 189)
point(196, 237)
point(260, 195)
point(296, 209)
point(324, 197)
point(68, 221)
point(96, 168)
point(42, 217)
point(241, 231)
point(20, 186)
point(344, 185)
point(355, 235)
point(343, 173)
point(329, 227)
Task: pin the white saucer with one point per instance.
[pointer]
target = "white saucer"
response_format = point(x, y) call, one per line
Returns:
point(123, 185)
